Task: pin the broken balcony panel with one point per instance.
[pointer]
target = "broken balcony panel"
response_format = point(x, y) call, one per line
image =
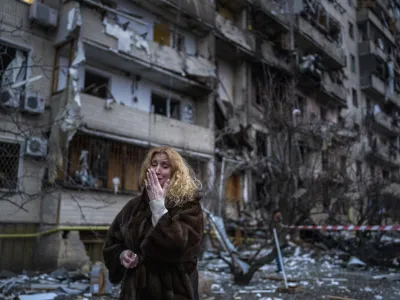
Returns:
point(333, 91)
point(366, 15)
point(199, 67)
point(108, 42)
point(383, 123)
point(200, 11)
point(271, 58)
point(140, 125)
point(276, 10)
point(229, 30)
point(325, 90)
point(311, 39)
point(369, 48)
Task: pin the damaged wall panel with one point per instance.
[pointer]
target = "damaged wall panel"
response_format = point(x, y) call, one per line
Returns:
point(115, 38)
point(95, 210)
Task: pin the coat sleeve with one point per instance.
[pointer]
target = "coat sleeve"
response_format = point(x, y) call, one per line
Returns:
point(177, 235)
point(113, 247)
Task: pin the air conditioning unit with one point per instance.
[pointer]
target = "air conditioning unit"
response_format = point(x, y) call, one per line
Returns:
point(36, 146)
point(33, 104)
point(187, 112)
point(43, 14)
point(9, 99)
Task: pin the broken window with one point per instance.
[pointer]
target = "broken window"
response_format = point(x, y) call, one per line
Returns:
point(13, 69)
point(96, 84)
point(323, 113)
point(170, 108)
point(9, 164)
point(386, 174)
point(358, 169)
point(104, 164)
point(261, 141)
point(343, 164)
point(354, 97)
point(353, 63)
point(351, 30)
point(325, 161)
point(178, 42)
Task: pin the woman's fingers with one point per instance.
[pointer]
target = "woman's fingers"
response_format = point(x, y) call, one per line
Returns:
point(155, 179)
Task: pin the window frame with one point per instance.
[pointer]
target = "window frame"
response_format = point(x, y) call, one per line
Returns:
point(28, 51)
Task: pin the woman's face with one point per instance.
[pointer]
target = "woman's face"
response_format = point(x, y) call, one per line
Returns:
point(161, 166)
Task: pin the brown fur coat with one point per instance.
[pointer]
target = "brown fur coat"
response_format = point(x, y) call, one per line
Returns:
point(167, 253)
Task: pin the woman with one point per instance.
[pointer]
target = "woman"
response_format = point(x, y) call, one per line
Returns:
point(152, 244)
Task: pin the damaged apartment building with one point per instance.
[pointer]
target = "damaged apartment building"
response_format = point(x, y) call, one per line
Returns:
point(88, 86)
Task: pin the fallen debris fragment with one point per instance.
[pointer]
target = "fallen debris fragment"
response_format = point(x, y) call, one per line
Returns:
point(45, 296)
point(339, 298)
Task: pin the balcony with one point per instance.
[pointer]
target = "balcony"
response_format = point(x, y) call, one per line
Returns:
point(366, 15)
point(272, 58)
point(228, 31)
point(275, 11)
point(375, 88)
point(381, 153)
point(141, 126)
point(199, 12)
point(324, 89)
point(369, 48)
point(382, 123)
point(110, 44)
point(313, 40)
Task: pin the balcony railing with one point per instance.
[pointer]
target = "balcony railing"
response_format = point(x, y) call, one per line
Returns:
point(311, 38)
point(140, 125)
point(373, 86)
point(383, 123)
point(324, 88)
point(370, 48)
point(334, 90)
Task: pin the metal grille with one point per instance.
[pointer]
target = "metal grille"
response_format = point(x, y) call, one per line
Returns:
point(9, 162)
point(106, 160)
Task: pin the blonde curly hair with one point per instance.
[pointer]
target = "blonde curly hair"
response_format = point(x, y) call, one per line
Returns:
point(184, 184)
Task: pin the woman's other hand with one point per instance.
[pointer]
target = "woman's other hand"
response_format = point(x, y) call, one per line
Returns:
point(154, 189)
point(129, 259)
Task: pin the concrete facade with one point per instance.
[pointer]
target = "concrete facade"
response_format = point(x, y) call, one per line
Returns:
point(135, 74)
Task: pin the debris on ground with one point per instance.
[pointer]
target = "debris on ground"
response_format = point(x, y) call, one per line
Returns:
point(59, 285)
point(320, 275)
